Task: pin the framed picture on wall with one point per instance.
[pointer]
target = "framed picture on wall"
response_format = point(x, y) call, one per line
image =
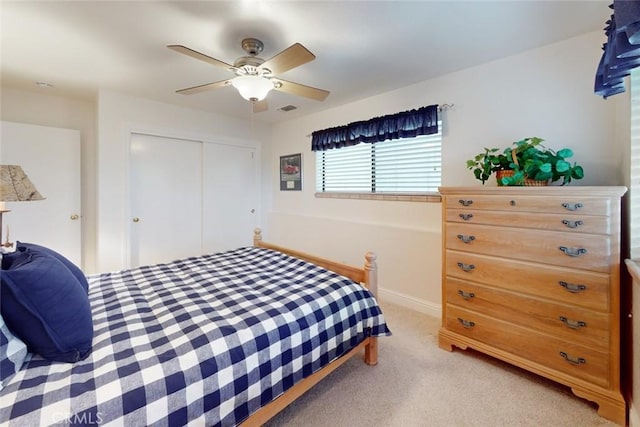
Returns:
point(291, 172)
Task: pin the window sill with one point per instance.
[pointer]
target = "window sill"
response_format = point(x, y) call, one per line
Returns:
point(425, 198)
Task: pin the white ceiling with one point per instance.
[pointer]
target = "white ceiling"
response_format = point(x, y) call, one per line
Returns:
point(362, 48)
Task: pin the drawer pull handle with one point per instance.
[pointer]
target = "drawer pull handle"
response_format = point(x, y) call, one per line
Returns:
point(572, 206)
point(465, 202)
point(466, 217)
point(572, 224)
point(466, 295)
point(572, 287)
point(466, 239)
point(468, 324)
point(466, 267)
point(574, 252)
point(573, 324)
point(572, 360)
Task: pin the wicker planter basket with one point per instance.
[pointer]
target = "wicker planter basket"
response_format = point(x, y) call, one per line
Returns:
point(502, 174)
point(528, 182)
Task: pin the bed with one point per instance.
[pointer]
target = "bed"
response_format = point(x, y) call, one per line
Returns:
point(221, 339)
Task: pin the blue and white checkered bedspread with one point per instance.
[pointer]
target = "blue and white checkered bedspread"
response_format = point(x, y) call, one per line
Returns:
point(199, 341)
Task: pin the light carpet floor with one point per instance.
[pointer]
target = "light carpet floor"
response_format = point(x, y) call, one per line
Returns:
point(418, 384)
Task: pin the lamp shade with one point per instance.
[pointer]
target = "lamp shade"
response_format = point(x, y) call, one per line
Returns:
point(252, 88)
point(15, 185)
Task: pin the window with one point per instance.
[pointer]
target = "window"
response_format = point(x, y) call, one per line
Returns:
point(408, 165)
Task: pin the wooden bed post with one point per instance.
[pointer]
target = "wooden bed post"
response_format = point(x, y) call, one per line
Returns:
point(257, 237)
point(371, 282)
point(371, 273)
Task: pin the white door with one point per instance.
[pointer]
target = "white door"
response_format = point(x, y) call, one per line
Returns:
point(230, 197)
point(165, 193)
point(51, 159)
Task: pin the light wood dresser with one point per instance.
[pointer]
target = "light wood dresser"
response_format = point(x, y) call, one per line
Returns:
point(531, 275)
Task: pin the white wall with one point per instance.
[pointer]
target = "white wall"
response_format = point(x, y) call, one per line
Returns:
point(118, 116)
point(546, 92)
point(44, 110)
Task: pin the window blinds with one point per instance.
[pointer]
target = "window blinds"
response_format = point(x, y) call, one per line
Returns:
point(408, 165)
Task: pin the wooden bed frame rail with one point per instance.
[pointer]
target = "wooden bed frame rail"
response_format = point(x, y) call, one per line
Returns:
point(368, 277)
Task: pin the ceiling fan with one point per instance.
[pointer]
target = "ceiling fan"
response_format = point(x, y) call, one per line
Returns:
point(255, 77)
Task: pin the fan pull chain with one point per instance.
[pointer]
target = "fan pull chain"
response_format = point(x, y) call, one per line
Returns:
point(252, 103)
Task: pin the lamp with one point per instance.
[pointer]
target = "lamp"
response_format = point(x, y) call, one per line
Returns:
point(15, 186)
point(252, 88)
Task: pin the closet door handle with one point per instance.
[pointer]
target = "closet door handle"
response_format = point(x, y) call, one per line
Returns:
point(136, 219)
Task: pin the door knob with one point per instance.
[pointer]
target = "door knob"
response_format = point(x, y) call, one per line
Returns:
point(253, 210)
point(136, 219)
point(74, 217)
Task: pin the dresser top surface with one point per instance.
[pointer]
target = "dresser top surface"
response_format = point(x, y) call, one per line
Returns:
point(551, 190)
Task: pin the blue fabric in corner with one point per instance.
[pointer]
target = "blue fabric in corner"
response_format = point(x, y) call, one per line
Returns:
point(45, 306)
point(82, 279)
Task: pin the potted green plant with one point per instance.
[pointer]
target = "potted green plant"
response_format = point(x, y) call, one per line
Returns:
point(486, 163)
point(531, 162)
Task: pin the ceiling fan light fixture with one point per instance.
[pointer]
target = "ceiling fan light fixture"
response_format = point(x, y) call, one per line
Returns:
point(252, 88)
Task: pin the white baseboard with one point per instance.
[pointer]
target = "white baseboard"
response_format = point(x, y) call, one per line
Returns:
point(634, 416)
point(416, 304)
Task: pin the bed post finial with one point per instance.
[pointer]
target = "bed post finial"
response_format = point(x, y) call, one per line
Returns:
point(257, 237)
point(371, 272)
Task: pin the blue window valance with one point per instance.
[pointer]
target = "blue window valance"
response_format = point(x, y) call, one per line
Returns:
point(407, 124)
point(622, 49)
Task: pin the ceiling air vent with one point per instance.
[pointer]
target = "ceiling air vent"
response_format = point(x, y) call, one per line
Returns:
point(288, 108)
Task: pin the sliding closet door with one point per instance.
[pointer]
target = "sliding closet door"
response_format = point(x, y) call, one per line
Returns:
point(51, 158)
point(230, 197)
point(166, 201)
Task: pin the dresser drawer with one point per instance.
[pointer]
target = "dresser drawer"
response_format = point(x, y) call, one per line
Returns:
point(570, 323)
point(573, 359)
point(525, 203)
point(575, 287)
point(569, 222)
point(588, 252)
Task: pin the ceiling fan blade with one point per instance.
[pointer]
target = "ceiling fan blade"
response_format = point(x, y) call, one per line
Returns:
point(202, 88)
point(201, 56)
point(260, 106)
point(300, 90)
point(293, 56)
